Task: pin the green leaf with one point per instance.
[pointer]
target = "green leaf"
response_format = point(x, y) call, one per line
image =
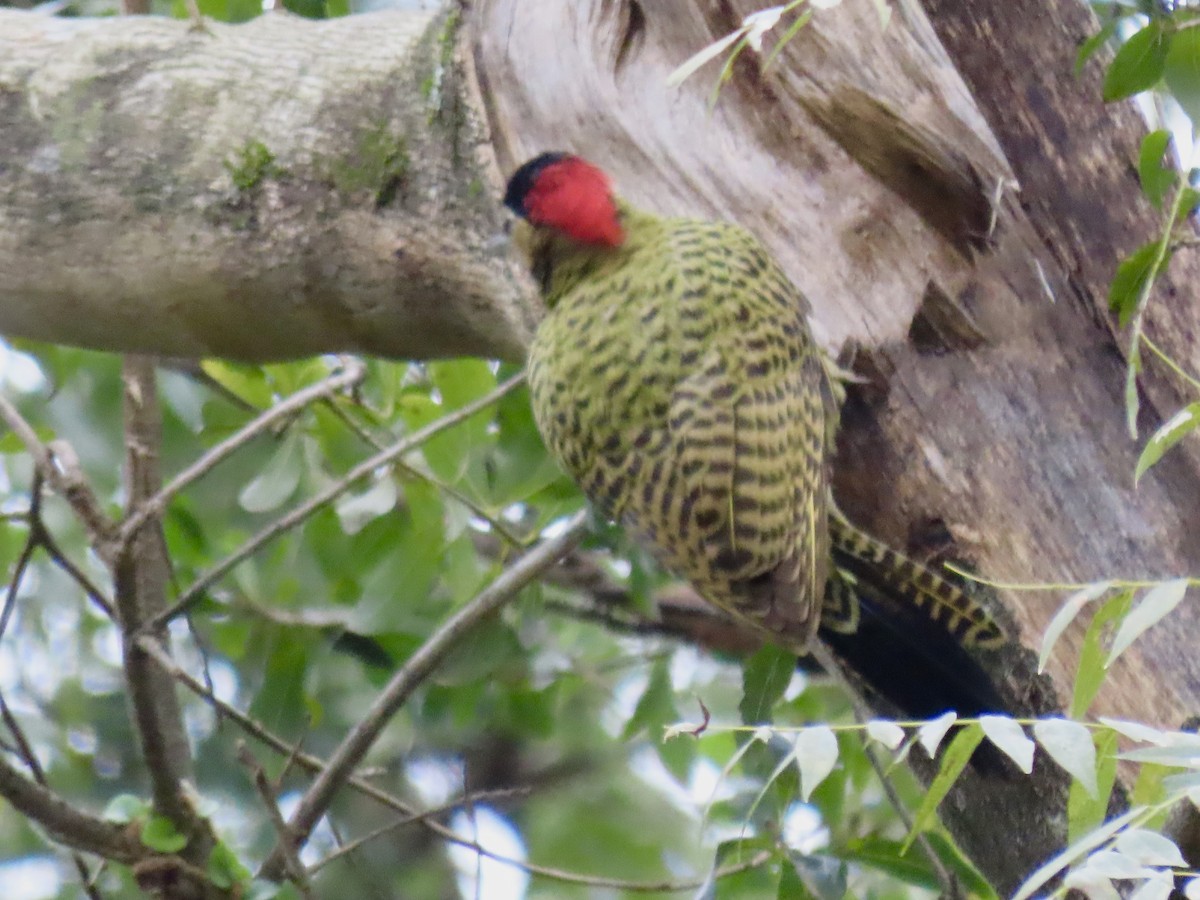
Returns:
point(1086, 810)
point(1139, 62)
point(1077, 850)
point(224, 869)
point(1007, 734)
point(657, 704)
point(1090, 674)
point(765, 677)
point(355, 510)
point(1150, 790)
point(1191, 197)
point(702, 57)
point(126, 808)
point(1156, 177)
point(247, 382)
point(930, 734)
point(791, 885)
point(1070, 745)
point(278, 479)
point(816, 754)
point(823, 875)
point(1159, 601)
point(459, 382)
point(1067, 614)
point(1094, 43)
point(487, 651)
point(968, 876)
point(1168, 435)
point(954, 760)
point(280, 702)
point(1132, 276)
point(757, 881)
point(1149, 848)
point(786, 37)
point(889, 857)
point(159, 834)
point(1182, 70)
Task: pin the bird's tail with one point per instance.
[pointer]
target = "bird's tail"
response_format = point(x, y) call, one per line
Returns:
point(909, 633)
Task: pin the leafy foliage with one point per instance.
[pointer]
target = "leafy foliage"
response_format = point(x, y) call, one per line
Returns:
point(568, 731)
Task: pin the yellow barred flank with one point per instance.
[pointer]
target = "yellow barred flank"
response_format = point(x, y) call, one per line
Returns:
point(675, 379)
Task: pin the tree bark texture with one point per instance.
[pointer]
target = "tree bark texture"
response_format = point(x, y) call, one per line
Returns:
point(261, 191)
point(950, 198)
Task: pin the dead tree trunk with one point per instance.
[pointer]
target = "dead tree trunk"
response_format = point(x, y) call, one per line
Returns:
point(950, 198)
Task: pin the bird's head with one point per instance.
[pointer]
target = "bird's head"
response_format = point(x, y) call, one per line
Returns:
point(557, 195)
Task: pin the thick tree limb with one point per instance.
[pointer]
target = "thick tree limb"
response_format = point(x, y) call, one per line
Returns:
point(260, 191)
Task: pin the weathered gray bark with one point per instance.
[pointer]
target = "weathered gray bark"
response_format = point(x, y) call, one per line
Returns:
point(267, 190)
point(993, 422)
point(936, 228)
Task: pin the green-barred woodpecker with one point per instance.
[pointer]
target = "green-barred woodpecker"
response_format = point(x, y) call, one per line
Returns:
point(675, 378)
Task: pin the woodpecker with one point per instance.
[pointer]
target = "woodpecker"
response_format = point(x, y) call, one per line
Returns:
point(676, 380)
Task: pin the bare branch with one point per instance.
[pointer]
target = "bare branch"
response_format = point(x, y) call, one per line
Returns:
point(59, 466)
point(65, 823)
point(30, 759)
point(140, 575)
point(426, 818)
point(266, 793)
point(39, 536)
point(498, 525)
point(350, 752)
point(301, 512)
point(32, 540)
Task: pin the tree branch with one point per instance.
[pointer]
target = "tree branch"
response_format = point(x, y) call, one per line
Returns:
point(66, 824)
point(59, 466)
point(326, 495)
point(353, 372)
point(350, 752)
point(340, 208)
point(140, 576)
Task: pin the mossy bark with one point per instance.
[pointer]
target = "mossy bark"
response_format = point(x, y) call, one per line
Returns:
point(261, 191)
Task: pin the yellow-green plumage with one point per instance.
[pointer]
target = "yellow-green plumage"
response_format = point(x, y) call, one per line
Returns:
point(676, 380)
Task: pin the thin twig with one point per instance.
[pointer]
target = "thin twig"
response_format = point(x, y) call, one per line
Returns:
point(863, 714)
point(352, 374)
point(403, 821)
point(77, 574)
point(25, 751)
point(39, 536)
point(301, 512)
point(354, 747)
point(266, 793)
point(497, 525)
point(427, 819)
point(60, 468)
point(32, 541)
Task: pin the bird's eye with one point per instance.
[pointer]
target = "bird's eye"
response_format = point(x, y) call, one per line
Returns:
point(508, 225)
